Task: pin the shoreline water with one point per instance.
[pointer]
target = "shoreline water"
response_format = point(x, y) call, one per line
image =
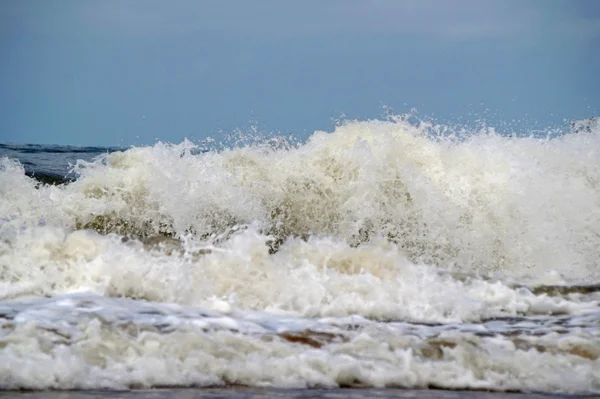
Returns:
point(258, 393)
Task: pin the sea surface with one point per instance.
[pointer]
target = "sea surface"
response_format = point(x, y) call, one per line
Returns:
point(384, 254)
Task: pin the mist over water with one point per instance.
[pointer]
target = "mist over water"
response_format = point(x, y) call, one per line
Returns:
point(384, 253)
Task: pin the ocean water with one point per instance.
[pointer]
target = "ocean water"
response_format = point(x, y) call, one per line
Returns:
point(382, 254)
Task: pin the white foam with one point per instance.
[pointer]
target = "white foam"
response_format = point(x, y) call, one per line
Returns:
point(375, 221)
point(131, 351)
point(488, 203)
point(315, 278)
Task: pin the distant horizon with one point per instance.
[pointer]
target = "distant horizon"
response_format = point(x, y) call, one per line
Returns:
point(563, 128)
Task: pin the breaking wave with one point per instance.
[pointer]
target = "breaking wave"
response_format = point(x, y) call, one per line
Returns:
point(384, 253)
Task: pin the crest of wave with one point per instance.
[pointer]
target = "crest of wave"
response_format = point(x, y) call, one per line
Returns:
point(483, 202)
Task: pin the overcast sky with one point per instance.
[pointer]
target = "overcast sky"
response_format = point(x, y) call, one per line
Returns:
point(121, 72)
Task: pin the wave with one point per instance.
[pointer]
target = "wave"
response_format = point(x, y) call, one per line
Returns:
point(99, 343)
point(483, 203)
point(381, 254)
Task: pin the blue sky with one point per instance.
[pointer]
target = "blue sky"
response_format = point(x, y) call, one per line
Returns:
point(122, 72)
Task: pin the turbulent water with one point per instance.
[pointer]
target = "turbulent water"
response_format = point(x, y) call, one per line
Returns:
point(379, 255)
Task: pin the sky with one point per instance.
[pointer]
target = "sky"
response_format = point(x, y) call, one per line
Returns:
point(123, 72)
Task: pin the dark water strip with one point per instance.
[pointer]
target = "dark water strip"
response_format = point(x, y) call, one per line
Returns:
point(49, 178)
point(261, 393)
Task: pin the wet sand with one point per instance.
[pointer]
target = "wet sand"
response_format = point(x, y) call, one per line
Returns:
point(258, 393)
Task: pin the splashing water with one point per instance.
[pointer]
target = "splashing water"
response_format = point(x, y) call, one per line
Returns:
point(376, 255)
